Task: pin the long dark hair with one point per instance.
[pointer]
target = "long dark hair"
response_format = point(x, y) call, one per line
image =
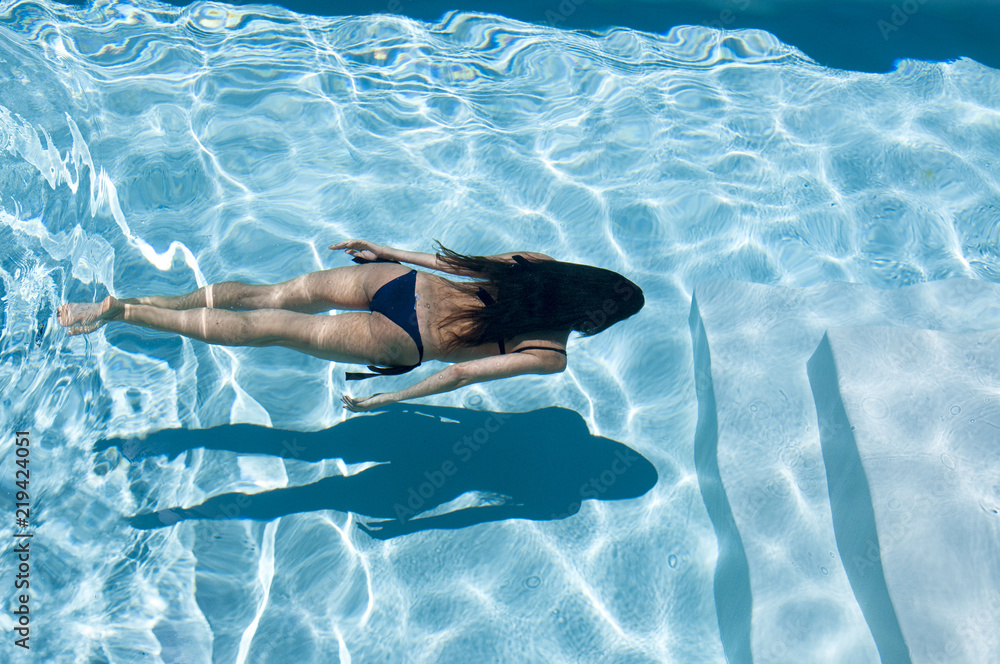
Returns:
point(534, 296)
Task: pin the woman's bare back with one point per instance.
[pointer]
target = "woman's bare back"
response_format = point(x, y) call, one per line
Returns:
point(438, 300)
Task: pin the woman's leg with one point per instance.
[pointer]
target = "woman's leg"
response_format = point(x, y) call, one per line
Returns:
point(346, 337)
point(343, 288)
point(293, 295)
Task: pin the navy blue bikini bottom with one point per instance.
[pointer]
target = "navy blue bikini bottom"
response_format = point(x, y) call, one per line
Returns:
point(397, 301)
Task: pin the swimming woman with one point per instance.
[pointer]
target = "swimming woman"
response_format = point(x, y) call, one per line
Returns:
point(514, 319)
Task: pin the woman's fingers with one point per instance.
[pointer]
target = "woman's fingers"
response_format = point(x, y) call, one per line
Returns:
point(353, 405)
point(360, 253)
point(345, 244)
point(352, 248)
point(358, 248)
point(361, 405)
point(355, 243)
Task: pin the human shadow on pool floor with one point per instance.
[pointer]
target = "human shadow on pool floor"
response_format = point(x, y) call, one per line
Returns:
point(539, 465)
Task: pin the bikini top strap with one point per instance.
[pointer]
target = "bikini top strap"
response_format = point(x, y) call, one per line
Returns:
point(386, 371)
point(485, 297)
point(362, 261)
point(489, 302)
point(558, 350)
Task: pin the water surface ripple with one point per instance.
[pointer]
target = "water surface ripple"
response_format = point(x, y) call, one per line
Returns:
point(146, 148)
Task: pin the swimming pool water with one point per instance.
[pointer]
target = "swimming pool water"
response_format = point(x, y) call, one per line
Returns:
point(148, 149)
point(859, 35)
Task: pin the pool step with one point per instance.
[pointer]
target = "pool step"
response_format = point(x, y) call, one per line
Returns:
point(909, 422)
point(783, 593)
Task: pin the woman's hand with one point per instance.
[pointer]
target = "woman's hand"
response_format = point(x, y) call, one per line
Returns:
point(362, 249)
point(366, 403)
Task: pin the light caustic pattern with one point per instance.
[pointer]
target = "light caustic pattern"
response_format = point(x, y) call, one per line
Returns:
point(146, 148)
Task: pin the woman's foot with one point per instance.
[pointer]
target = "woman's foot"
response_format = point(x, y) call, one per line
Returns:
point(85, 317)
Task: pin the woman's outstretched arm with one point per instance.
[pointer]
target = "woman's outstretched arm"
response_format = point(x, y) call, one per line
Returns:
point(461, 374)
point(371, 251)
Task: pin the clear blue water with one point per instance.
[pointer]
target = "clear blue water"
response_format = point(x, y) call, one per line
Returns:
point(148, 149)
